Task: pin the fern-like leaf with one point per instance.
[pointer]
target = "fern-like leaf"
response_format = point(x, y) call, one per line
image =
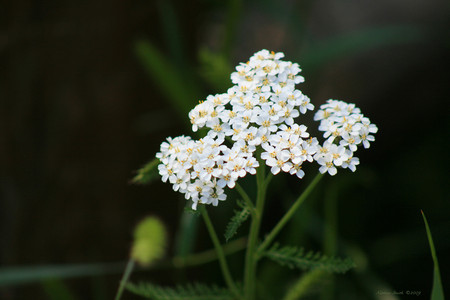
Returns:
point(240, 216)
point(147, 173)
point(294, 257)
point(195, 291)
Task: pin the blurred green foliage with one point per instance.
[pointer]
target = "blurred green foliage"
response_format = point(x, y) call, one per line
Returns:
point(23, 275)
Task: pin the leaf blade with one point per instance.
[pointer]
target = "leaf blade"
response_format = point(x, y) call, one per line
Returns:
point(180, 91)
point(437, 292)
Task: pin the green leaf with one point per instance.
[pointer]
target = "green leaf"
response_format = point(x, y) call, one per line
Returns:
point(437, 292)
point(294, 257)
point(180, 90)
point(236, 221)
point(181, 292)
point(147, 173)
point(215, 69)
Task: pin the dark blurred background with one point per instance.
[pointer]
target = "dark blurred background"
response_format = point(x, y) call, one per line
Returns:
point(89, 90)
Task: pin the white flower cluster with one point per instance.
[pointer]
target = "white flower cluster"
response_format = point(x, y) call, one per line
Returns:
point(258, 112)
point(201, 169)
point(344, 127)
point(263, 97)
point(288, 148)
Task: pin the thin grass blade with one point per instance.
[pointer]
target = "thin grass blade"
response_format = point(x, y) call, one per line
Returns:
point(437, 293)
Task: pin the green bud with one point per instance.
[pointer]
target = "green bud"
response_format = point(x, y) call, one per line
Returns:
point(149, 241)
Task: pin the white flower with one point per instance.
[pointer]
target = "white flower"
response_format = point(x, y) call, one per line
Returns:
point(265, 121)
point(270, 152)
point(279, 162)
point(253, 137)
point(350, 141)
point(237, 167)
point(297, 170)
point(196, 190)
point(323, 150)
point(365, 136)
point(181, 182)
point(228, 116)
point(338, 154)
point(213, 196)
point(351, 162)
point(201, 114)
point(251, 165)
point(326, 163)
point(165, 172)
point(305, 104)
point(226, 180)
point(304, 152)
point(243, 148)
point(219, 129)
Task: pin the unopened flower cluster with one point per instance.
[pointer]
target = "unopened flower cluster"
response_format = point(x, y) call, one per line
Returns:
point(258, 113)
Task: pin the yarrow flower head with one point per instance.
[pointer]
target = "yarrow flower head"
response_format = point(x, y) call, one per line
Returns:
point(259, 112)
point(345, 128)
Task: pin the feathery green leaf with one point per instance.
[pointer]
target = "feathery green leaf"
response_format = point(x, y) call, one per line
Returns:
point(294, 257)
point(194, 291)
point(236, 221)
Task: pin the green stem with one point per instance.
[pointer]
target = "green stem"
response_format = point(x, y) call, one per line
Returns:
point(270, 237)
point(246, 198)
point(125, 277)
point(330, 234)
point(208, 255)
point(220, 254)
point(268, 179)
point(331, 222)
point(250, 258)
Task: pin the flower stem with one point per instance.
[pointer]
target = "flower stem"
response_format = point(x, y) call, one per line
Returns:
point(207, 256)
point(246, 198)
point(220, 253)
point(250, 258)
point(125, 277)
point(269, 238)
